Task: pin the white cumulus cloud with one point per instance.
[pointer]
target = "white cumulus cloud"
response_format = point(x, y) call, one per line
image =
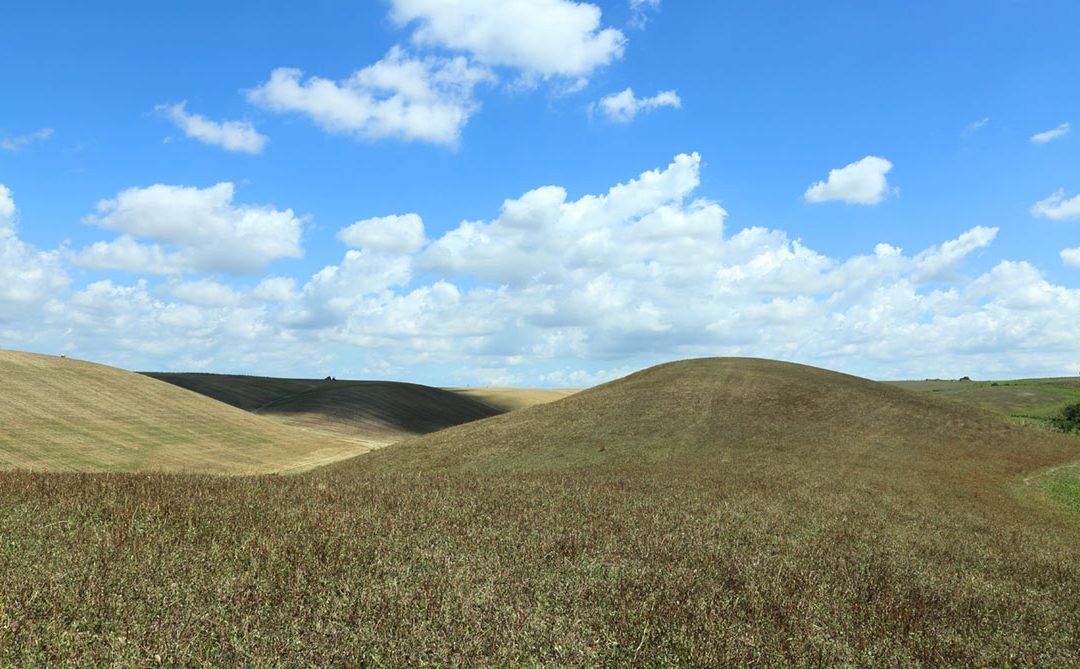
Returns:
point(27, 276)
point(1057, 207)
point(392, 234)
point(861, 182)
point(562, 289)
point(622, 107)
point(541, 238)
point(191, 230)
point(204, 292)
point(938, 263)
point(230, 135)
point(428, 99)
point(542, 37)
point(1071, 257)
point(1050, 135)
point(7, 212)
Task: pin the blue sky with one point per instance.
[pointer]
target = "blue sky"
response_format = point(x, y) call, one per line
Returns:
point(542, 192)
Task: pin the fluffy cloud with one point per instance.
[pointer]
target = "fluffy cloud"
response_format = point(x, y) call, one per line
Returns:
point(623, 107)
point(542, 37)
point(646, 272)
point(135, 327)
point(1050, 135)
point(938, 263)
point(205, 293)
point(23, 141)
point(560, 290)
point(1071, 257)
point(861, 182)
point(7, 212)
point(27, 276)
point(193, 230)
point(1057, 207)
point(428, 99)
point(540, 238)
point(392, 234)
point(230, 135)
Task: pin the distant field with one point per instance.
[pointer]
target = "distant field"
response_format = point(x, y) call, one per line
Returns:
point(512, 399)
point(708, 513)
point(60, 414)
point(378, 411)
point(1030, 402)
point(1027, 400)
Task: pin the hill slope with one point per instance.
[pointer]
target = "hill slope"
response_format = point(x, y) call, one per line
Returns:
point(735, 412)
point(60, 414)
point(241, 391)
point(378, 409)
point(1026, 400)
point(381, 411)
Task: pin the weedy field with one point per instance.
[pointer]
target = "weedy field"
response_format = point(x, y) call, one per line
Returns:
point(704, 513)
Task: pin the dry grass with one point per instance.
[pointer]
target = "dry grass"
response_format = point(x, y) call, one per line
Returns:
point(512, 399)
point(60, 414)
point(708, 513)
point(1030, 402)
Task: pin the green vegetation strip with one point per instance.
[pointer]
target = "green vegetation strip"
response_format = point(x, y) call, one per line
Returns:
point(1063, 484)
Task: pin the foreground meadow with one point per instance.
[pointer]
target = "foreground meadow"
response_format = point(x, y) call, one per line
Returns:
point(674, 517)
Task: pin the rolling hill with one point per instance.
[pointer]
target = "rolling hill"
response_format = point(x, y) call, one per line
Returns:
point(61, 414)
point(714, 513)
point(379, 411)
point(241, 391)
point(730, 412)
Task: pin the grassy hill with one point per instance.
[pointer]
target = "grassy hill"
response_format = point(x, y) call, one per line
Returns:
point(378, 411)
point(60, 414)
point(704, 513)
point(737, 410)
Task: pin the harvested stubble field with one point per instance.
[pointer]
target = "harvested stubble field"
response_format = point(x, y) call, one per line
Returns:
point(703, 513)
point(378, 411)
point(60, 414)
